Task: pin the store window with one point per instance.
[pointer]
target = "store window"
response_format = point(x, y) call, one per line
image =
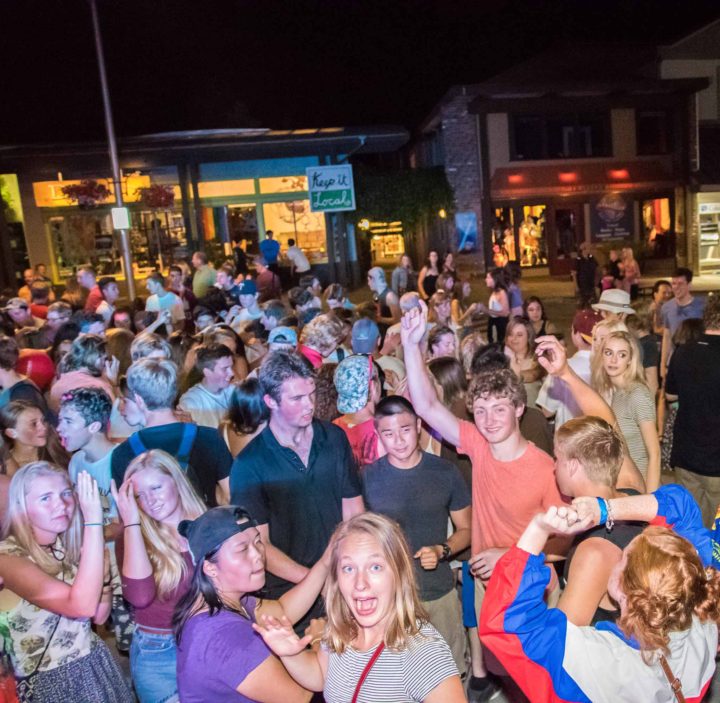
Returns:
point(387, 243)
point(503, 233)
point(532, 242)
point(658, 239)
point(157, 239)
point(571, 136)
point(652, 132)
point(84, 237)
point(284, 184)
point(294, 220)
point(709, 225)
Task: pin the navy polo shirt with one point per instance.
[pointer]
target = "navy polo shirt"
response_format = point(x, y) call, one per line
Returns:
point(301, 505)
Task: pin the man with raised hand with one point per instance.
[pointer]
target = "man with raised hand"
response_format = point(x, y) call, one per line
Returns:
point(512, 480)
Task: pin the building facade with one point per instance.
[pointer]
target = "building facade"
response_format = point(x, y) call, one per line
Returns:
point(698, 55)
point(214, 186)
point(577, 144)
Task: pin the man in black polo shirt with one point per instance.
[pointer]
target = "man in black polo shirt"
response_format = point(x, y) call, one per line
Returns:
point(200, 451)
point(693, 379)
point(297, 478)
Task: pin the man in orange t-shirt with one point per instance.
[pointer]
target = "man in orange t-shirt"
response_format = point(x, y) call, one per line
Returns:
point(512, 479)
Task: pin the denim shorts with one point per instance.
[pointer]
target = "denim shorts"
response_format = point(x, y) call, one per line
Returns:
point(152, 665)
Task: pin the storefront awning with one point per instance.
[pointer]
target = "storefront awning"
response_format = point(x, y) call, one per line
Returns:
point(526, 181)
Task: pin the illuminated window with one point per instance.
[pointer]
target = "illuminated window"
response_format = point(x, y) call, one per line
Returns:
point(293, 220)
point(285, 184)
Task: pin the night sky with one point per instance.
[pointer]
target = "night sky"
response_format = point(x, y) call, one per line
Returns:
point(194, 64)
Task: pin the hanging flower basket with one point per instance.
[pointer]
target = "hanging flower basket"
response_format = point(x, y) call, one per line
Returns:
point(87, 194)
point(156, 197)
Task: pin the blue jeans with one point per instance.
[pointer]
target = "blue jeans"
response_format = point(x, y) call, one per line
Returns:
point(152, 665)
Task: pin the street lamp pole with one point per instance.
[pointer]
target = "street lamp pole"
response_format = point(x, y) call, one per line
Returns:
point(112, 147)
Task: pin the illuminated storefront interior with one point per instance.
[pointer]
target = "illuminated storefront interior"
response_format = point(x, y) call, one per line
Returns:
point(242, 209)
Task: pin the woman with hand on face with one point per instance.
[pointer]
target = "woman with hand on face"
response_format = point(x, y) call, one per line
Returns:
point(378, 644)
point(54, 590)
point(155, 565)
point(618, 376)
point(664, 643)
point(220, 658)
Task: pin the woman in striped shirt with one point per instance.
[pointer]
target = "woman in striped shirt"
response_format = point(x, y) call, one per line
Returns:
point(377, 644)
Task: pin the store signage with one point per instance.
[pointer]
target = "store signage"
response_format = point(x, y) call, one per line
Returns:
point(331, 188)
point(709, 208)
point(120, 217)
point(611, 217)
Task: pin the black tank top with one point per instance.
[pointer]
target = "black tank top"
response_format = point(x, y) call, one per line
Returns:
point(381, 302)
point(430, 284)
point(621, 535)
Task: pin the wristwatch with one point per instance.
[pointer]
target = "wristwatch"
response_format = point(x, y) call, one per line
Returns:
point(445, 552)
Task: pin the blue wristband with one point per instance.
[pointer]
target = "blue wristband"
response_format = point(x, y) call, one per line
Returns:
point(603, 510)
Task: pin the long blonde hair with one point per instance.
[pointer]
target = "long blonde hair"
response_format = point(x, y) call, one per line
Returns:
point(408, 612)
point(19, 527)
point(169, 567)
point(634, 374)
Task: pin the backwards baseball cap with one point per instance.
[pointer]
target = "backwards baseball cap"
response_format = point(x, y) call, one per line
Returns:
point(614, 300)
point(16, 304)
point(248, 287)
point(352, 381)
point(365, 334)
point(211, 529)
point(584, 322)
point(283, 335)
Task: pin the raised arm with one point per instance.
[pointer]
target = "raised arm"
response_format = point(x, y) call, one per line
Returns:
point(422, 391)
point(552, 357)
point(669, 506)
point(81, 598)
point(528, 637)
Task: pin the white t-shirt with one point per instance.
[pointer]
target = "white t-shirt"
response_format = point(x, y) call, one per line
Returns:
point(100, 471)
point(206, 408)
point(298, 258)
point(170, 302)
point(106, 310)
point(555, 396)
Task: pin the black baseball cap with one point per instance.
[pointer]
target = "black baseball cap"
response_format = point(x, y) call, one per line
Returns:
point(211, 529)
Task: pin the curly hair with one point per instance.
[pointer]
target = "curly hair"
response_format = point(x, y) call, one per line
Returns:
point(323, 334)
point(665, 584)
point(497, 383)
point(92, 404)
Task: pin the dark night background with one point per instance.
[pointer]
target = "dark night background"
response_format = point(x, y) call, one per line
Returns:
point(193, 64)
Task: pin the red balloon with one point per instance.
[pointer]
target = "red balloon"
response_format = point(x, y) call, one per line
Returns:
point(37, 366)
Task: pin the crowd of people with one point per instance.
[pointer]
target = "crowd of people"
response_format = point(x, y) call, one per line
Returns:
point(263, 493)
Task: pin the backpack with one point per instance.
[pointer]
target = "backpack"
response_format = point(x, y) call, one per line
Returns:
point(184, 449)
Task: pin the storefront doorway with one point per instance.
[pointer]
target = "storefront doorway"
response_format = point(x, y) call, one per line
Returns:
point(243, 226)
point(565, 237)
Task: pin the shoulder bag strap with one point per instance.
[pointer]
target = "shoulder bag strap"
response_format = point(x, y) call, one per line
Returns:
point(674, 682)
point(369, 666)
